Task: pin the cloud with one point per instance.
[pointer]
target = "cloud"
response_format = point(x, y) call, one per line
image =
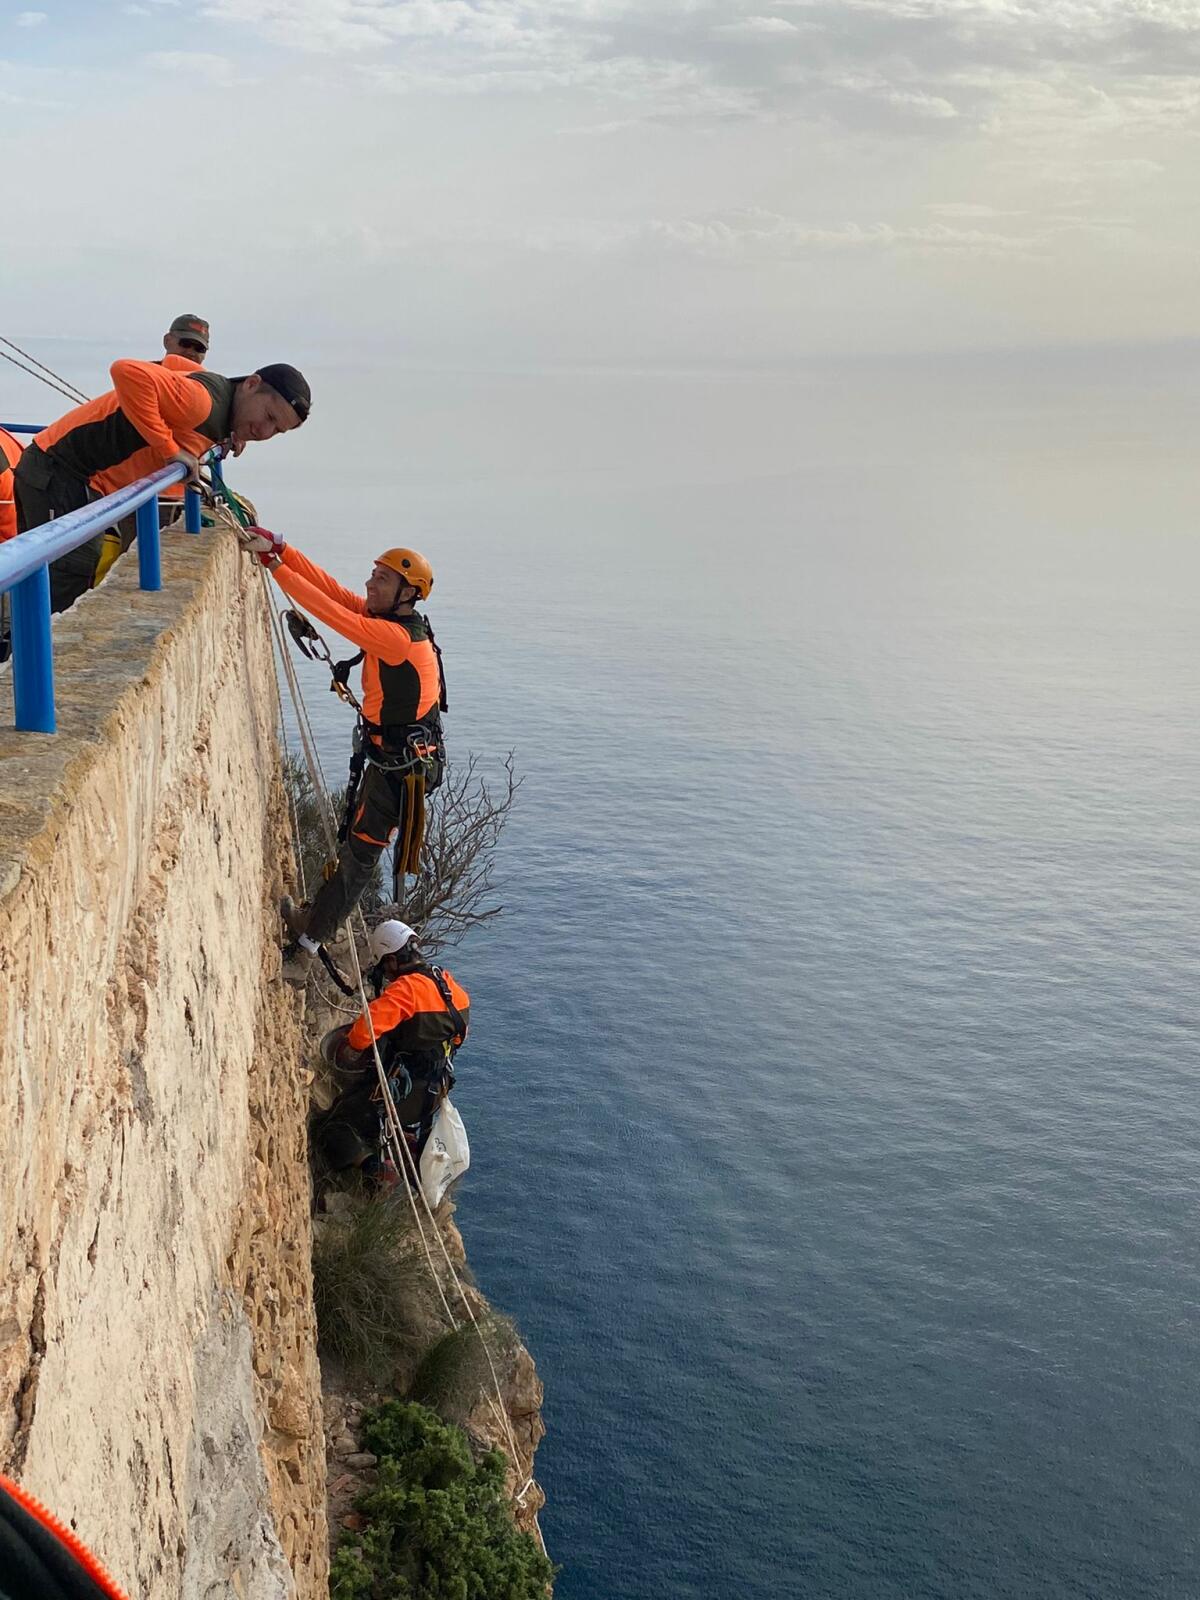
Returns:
point(218, 71)
point(30, 19)
point(754, 235)
point(760, 27)
point(967, 208)
point(927, 69)
point(749, 236)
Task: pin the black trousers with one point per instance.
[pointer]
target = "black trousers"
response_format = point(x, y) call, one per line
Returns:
point(348, 1133)
point(379, 809)
point(44, 490)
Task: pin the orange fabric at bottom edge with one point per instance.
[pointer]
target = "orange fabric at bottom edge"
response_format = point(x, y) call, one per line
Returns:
point(65, 1537)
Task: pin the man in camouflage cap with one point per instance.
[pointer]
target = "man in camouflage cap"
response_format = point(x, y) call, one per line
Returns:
point(187, 337)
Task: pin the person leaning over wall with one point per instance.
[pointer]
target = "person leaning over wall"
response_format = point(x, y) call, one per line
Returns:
point(185, 344)
point(151, 417)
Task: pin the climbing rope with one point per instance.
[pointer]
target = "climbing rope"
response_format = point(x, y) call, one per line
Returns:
point(402, 1156)
point(45, 374)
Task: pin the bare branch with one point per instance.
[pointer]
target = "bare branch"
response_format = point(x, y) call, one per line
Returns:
point(454, 891)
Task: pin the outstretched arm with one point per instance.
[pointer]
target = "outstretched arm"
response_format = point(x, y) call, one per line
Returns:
point(320, 579)
point(387, 640)
point(392, 1008)
point(159, 402)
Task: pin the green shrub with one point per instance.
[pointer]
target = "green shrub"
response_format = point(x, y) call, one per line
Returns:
point(438, 1527)
point(366, 1282)
point(454, 1372)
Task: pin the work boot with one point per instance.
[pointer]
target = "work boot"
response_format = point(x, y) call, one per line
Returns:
point(297, 965)
point(295, 917)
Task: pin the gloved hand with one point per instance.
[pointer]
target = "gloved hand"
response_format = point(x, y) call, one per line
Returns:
point(186, 459)
point(268, 547)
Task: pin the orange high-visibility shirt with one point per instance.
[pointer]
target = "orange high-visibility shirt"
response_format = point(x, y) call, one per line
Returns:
point(10, 454)
point(400, 678)
point(151, 412)
point(412, 1009)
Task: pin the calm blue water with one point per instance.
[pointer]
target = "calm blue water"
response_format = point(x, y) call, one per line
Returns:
point(833, 1084)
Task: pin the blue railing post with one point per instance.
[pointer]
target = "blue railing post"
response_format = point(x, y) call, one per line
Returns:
point(191, 510)
point(149, 554)
point(24, 564)
point(32, 658)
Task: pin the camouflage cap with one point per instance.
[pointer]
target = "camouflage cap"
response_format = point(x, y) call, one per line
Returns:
point(188, 327)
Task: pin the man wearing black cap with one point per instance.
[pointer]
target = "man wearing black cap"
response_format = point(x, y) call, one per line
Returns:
point(152, 415)
point(187, 337)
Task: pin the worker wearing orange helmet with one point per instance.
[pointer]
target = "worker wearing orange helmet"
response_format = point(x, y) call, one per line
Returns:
point(403, 695)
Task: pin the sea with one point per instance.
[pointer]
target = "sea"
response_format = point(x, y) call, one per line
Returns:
point(832, 1085)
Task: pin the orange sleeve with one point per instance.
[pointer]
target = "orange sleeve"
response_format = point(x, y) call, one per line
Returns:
point(175, 363)
point(393, 1007)
point(320, 579)
point(457, 993)
point(8, 509)
point(392, 644)
point(157, 401)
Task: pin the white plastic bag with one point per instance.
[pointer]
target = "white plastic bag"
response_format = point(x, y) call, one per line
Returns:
point(446, 1155)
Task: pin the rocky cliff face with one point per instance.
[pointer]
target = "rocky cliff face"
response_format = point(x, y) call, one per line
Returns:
point(158, 1377)
point(159, 1386)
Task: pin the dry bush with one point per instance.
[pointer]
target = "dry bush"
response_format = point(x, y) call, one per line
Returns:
point(454, 891)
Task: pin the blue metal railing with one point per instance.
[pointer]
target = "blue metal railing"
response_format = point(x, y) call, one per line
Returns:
point(25, 574)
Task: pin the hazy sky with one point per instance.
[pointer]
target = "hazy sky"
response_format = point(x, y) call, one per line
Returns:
point(601, 181)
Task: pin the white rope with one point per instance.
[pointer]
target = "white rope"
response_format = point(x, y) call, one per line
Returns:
point(66, 393)
point(63, 385)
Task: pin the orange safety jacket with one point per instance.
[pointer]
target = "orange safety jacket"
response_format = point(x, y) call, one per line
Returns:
point(151, 412)
point(10, 454)
point(412, 1016)
point(401, 682)
point(174, 491)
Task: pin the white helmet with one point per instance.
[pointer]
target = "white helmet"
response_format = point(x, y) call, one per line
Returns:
point(389, 938)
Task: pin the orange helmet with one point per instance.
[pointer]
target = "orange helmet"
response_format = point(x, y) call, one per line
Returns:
point(412, 567)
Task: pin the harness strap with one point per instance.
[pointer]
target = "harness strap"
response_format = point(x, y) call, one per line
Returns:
point(443, 703)
point(443, 988)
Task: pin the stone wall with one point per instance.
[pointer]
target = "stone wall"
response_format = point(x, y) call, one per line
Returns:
point(158, 1377)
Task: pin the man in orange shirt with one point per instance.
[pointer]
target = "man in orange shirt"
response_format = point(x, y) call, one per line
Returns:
point(403, 695)
point(152, 415)
point(187, 337)
point(419, 1019)
point(10, 453)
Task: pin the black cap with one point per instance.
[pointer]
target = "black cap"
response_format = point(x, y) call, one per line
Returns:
point(290, 385)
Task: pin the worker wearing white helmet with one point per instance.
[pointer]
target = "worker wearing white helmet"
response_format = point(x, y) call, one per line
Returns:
point(419, 1020)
